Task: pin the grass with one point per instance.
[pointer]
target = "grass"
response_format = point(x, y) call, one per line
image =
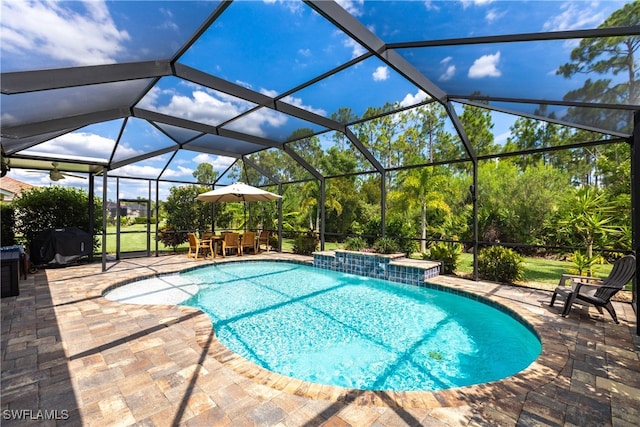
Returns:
point(540, 270)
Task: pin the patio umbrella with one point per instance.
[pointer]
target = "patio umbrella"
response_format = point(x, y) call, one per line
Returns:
point(238, 192)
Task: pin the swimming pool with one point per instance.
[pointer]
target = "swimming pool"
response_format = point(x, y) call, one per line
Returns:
point(355, 332)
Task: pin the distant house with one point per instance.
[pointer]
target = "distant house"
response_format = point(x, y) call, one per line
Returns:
point(11, 188)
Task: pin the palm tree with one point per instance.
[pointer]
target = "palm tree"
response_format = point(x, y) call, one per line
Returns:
point(416, 191)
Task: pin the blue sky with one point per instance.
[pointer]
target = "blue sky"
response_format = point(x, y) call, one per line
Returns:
point(273, 46)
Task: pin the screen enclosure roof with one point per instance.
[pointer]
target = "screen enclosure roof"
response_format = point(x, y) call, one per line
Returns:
point(158, 86)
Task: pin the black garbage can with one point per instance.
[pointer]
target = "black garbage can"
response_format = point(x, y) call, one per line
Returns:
point(10, 266)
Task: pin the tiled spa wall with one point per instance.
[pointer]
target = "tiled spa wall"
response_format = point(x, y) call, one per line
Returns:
point(374, 265)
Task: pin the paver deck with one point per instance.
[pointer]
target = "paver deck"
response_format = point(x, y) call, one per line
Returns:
point(69, 353)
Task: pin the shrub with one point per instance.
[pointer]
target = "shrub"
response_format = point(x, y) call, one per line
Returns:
point(446, 252)
point(7, 219)
point(143, 220)
point(42, 208)
point(305, 244)
point(500, 264)
point(403, 234)
point(583, 264)
point(355, 243)
point(385, 245)
point(170, 237)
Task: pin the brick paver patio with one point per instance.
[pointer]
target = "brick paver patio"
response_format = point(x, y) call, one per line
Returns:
point(72, 355)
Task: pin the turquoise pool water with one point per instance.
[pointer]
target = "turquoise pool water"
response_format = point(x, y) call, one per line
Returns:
point(339, 329)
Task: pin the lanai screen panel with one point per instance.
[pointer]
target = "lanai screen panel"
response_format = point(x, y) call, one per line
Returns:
point(150, 168)
point(94, 33)
point(216, 144)
point(279, 165)
point(45, 105)
point(177, 97)
point(270, 47)
point(404, 21)
point(524, 70)
point(331, 153)
point(274, 125)
point(368, 88)
point(617, 121)
point(178, 134)
point(91, 144)
point(139, 139)
point(185, 162)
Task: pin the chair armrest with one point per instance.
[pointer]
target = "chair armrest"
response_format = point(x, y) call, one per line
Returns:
point(577, 278)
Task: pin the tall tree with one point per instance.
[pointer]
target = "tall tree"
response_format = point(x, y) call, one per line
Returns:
point(478, 126)
point(607, 56)
point(205, 174)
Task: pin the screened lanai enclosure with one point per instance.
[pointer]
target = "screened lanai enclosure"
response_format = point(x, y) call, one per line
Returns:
point(478, 123)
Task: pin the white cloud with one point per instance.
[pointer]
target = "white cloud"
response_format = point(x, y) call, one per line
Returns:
point(485, 66)
point(493, 15)
point(219, 163)
point(411, 99)
point(203, 106)
point(354, 7)
point(381, 73)
point(430, 5)
point(48, 29)
point(137, 171)
point(469, 3)
point(356, 49)
point(304, 52)
point(298, 103)
point(79, 144)
point(449, 70)
point(574, 16)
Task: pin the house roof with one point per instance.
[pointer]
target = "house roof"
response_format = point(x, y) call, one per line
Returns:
point(13, 186)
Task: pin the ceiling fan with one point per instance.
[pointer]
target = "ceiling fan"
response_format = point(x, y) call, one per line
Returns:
point(56, 175)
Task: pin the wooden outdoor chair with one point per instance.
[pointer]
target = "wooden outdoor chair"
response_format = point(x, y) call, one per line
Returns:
point(597, 292)
point(231, 241)
point(195, 245)
point(263, 239)
point(249, 241)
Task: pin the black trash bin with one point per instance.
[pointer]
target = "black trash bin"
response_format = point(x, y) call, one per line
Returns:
point(60, 246)
point(10, 261)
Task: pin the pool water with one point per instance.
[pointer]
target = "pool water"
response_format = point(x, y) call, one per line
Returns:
point(350, 331)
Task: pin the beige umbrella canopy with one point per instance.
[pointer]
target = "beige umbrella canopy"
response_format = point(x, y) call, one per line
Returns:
point(238, 192)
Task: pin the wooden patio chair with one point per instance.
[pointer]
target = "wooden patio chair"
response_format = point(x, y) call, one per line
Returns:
point(195, 245)
point(263, 239)
point(249, 241)
point(597, 292)
point(231, 241)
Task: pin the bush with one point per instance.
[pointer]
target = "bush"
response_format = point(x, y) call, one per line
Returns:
point(355, 243)
point(143, 220)
point(385, 245)
point(7, 219)
point(305, 244)
point(170, 237)
point(403, 234)
point(42, 208)
point(446, 252)
point(500, 264)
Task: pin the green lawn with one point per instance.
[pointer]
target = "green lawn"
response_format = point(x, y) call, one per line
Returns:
point(537, 269)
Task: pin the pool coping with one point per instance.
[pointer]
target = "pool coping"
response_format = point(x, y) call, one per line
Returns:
point(543, 370)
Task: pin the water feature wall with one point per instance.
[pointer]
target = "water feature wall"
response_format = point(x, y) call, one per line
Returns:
point(393, 267)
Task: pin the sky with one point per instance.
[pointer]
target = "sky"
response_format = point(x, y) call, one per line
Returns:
point(272, 47)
